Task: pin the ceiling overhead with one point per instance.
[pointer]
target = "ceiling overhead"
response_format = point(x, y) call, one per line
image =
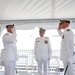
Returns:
point(36, 9)
point(28, 14)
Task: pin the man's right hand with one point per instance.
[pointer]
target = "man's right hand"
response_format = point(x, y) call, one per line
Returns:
point(14, 30)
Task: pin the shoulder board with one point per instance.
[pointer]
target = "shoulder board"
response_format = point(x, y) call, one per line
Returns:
point(46, 37)
point(37, 38)
point(68, 30)
point(6, 34)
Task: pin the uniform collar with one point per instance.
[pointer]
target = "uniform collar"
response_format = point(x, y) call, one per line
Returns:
point(9, 33)
point(66, 28)
point(42, 37)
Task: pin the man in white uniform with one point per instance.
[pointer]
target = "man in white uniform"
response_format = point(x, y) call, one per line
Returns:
point(67, 46)
point(9, 55)
point(42, 50)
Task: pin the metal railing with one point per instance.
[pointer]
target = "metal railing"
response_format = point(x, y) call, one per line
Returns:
point(32, 64)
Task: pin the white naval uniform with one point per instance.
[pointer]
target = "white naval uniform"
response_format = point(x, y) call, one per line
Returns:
point(67, 48)
point(9, 54)
point(42, 50)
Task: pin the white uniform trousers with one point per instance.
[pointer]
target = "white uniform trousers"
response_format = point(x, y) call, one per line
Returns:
point(70, 69)
point(42, 64)
point(9, 67)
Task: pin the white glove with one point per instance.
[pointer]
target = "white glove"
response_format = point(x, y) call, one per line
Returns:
point(36, 59)
point(14, 30)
